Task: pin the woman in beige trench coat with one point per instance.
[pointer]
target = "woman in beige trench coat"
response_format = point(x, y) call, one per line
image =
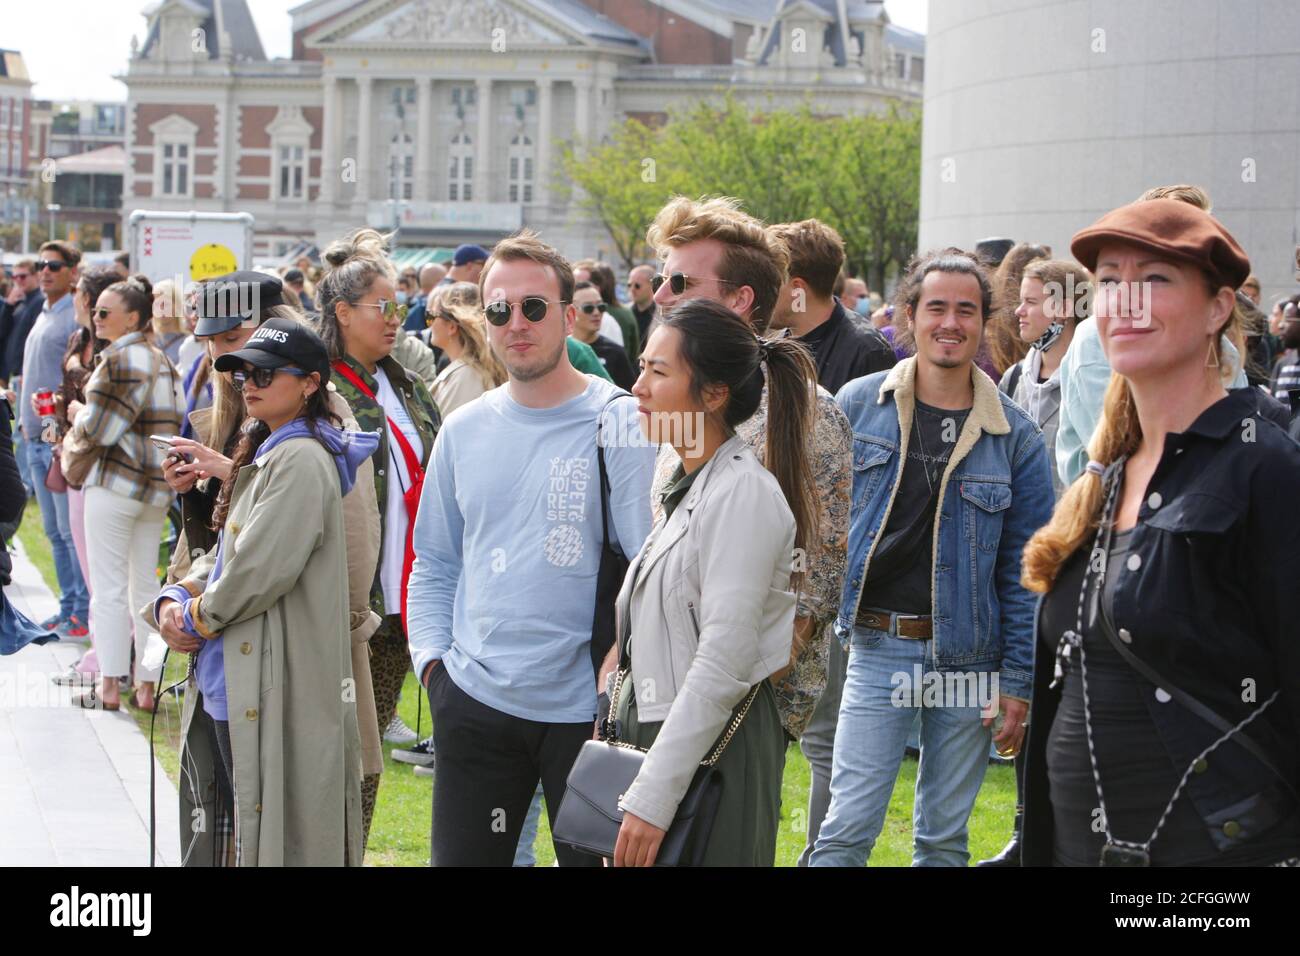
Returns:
point(273, 593)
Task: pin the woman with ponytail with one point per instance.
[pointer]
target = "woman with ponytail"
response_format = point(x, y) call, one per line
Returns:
point(1167, 678)
point(708, 605)
point(132, 396)
point(265, 614)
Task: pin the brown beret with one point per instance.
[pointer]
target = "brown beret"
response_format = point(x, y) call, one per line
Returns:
point(1171, 228)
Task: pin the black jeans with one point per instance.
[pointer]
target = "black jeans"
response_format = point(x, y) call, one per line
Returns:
point(487, 771)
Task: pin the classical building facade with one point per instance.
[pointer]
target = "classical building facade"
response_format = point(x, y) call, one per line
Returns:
point(447, 118)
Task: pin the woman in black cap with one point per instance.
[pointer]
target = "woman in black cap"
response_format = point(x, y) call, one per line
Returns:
point(1165, 727)
point(265, 614)
point(231, 309)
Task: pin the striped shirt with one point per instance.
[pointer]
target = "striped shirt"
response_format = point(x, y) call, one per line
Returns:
point(134, 392)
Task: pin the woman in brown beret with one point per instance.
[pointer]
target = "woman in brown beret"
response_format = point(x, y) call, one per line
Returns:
point(1165, 725)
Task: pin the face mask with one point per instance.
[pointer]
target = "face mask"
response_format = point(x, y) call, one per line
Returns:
point(863, 306)
point(1048, 338)
point(402, 297)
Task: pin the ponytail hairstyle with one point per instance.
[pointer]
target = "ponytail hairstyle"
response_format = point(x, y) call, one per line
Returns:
point(136, 293)
point(1118, 434)
point(459, 302)
point(351, 266)
point(720, 348)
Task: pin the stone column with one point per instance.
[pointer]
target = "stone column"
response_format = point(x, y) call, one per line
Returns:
point(582, 111)
point(545, 136)
point(424, 139)
point(329, 143)
point(365, 138)
point(483, 144)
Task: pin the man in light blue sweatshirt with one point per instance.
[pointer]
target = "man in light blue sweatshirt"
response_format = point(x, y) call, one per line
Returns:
point(508, 541)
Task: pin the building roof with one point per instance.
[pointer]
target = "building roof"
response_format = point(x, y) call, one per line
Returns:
point(908, 40)
point(12, 66)
point(231, 17)
point(109, 161)
point(581, 18)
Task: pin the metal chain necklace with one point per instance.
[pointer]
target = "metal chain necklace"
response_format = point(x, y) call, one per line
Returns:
point(1118, 852)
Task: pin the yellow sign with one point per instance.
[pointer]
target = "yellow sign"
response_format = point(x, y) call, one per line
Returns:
point(211, 261)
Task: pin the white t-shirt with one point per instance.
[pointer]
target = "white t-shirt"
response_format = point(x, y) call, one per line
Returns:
point(610, 328)
point(393, 548)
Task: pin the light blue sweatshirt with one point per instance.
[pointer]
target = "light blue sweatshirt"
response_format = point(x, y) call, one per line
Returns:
point(507, 546)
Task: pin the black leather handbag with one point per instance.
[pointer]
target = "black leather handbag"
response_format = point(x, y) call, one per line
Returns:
point(589, 817)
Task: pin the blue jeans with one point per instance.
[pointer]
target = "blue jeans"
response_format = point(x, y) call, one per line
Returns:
point(525, 855)
point(74, 597)
point(874, 723)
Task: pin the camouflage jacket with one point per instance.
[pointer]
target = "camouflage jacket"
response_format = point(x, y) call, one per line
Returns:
point(370, 417)
point(830, 450)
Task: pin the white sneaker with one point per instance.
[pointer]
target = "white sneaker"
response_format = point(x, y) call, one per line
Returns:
point(424, 771)
point(399, 733)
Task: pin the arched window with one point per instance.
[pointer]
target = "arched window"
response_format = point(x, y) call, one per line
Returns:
point(460, 178)
point(521, 169)
point(401, 166)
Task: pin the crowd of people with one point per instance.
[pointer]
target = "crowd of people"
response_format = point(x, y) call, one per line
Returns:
point(1035, 508)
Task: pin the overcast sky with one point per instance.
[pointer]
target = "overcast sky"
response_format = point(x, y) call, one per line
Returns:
point(74, 48)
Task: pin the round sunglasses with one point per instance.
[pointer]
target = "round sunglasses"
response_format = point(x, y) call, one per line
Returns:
point(589, 308)
point(533, 307)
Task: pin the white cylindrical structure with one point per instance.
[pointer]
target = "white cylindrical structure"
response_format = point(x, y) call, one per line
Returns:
point(1040, 115)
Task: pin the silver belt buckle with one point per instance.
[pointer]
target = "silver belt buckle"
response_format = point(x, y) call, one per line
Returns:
point(895, 618)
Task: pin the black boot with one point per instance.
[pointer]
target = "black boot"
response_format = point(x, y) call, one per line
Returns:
point(1010, 855)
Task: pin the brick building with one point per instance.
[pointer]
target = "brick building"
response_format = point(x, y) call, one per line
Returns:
point(446, 117)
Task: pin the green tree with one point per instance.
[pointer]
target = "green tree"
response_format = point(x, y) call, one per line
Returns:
point(859, 174)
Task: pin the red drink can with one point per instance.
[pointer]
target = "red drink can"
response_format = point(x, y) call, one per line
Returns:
point(45, 403)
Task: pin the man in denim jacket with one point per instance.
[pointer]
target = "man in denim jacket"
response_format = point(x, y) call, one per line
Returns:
point(932, 605)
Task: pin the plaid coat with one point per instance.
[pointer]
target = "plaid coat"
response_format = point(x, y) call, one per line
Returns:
point(134, 392)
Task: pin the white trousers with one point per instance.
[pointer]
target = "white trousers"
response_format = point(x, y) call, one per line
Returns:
point(122, 538)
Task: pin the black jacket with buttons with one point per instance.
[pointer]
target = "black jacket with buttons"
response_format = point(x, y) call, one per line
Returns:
point(1209, 604)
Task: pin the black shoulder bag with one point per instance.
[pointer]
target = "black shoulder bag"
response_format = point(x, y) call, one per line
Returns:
point(589, 817)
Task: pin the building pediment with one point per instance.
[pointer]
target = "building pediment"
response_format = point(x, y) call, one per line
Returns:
point(469, 23)
point(173, 125)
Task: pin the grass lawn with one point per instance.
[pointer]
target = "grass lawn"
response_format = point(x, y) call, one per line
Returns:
point(399, 835)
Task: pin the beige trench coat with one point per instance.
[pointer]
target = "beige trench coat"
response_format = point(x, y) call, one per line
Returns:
point(280, 608)
point(361, 523)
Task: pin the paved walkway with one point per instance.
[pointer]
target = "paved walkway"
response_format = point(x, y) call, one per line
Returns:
point(74, 784)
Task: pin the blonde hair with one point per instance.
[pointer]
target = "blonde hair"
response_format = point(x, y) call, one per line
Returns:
point(1064, 279)
point(461, 302)
point(168, 297)
point(752, 256)
point(1118, 433)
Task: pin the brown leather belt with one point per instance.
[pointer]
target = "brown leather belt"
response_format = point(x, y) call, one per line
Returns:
point(915, 627)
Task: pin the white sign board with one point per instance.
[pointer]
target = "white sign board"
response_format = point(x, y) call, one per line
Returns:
point(189, 246)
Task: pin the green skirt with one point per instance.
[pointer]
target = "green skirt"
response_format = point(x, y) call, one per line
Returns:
point(745, 828)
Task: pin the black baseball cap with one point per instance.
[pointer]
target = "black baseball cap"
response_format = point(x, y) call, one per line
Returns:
point(277, 343)
point(229, 301)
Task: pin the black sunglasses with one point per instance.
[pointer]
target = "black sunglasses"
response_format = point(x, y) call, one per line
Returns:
point(680, 281)
point(100, 313)
point(588, 308)
point(54, 265)
point(262, 377)
point(534, 308)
